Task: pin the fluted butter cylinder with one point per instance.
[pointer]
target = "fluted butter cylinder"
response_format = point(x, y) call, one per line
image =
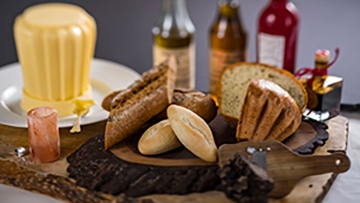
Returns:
point(55, 44)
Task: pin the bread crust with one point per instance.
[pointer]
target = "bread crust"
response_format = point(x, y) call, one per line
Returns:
point(137, 104)
point(269, 112)
point(158, 138)
point(197, 101)
point(193, 132)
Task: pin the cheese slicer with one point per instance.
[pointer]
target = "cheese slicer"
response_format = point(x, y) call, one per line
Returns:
point(285, 167)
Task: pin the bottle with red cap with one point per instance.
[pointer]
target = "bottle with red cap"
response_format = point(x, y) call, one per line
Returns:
point(278, 27)
point(324, 90)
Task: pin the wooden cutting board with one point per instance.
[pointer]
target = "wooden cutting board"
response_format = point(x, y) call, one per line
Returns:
point(17, 172)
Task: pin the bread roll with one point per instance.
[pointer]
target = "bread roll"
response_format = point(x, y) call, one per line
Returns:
point(157, 139)
point(236, 78)
point(268, 112)
point(193, 132)
point(197, 101)
point(134, 106)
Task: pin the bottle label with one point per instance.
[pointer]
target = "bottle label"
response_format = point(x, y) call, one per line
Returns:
point(185, 59)
point(218, 61)
point(271, 49)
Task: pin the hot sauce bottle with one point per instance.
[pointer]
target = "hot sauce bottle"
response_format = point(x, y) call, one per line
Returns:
point(228, 41)
point(324, 90)
point(278, 28)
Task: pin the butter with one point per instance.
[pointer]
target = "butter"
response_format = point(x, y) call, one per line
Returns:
point(55, 44)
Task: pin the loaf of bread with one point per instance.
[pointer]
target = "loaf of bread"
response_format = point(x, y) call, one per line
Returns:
point(268, 112)
point(143, 99)
point(236, 78)
point(158, 138)
point(197, 101)
point(106, 102)
point(193, 132)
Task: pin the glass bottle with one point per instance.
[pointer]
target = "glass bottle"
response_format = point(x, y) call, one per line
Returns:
point(174, 35)
point(324, 90)
point(278, 28)
point(228, 42)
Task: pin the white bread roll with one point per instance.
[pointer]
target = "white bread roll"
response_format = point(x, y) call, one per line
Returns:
point(193, 132)
point(157, 139)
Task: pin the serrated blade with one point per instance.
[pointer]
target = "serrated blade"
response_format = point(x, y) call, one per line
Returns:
point(259, 157)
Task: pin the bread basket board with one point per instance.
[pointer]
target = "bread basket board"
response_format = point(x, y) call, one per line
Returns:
point(54, 180)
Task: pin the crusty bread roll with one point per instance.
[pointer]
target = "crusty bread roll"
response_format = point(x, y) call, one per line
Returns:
point(236, 78)
point(146, 97)
point(197, 101)
point(193, 132)
point(158, 138)
point(268, 112)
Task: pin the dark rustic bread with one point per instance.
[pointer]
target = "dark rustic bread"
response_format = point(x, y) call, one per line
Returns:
point(97, 169)
point(197, 101)
point(268, 112)
point(244, 181)
point(137, 104)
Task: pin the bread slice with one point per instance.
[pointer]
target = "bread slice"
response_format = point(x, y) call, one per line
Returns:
point(143, 99)
point(193, 132)
point(236, 78)
point(269, 112)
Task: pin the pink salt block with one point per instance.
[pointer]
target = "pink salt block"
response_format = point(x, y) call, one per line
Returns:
point(44, 139)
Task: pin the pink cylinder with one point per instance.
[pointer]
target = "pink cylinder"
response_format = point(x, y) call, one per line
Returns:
point(44, 139)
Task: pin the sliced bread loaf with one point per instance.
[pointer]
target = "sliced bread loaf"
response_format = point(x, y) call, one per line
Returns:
point(236, 78)
point(269, 112)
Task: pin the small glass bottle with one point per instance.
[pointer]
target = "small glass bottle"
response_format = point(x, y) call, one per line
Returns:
point(278, 28)
point(324, 91)
point(228, 42)
point(174, 35)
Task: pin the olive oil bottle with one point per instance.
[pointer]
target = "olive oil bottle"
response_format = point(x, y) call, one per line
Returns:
point(174, 35)
point(228, 42)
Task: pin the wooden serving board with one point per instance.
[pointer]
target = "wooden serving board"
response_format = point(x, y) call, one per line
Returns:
point(20, 173)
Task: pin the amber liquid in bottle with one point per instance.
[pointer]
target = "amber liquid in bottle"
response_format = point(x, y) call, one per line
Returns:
point(324, 92)
point(174, 35)
point(228, 42)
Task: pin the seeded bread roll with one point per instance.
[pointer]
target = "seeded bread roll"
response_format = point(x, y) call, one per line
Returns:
point(134, 106)
point(236, 78)
point(197, 101)
point(269, 112)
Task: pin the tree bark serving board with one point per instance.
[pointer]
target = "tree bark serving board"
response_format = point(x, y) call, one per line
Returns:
point(16, 172)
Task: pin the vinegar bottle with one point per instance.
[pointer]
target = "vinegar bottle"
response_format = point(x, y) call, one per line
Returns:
point(228, 42)
point(174, 35)
point(277, 35)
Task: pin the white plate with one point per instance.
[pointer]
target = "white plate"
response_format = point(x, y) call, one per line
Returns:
point(106, 76)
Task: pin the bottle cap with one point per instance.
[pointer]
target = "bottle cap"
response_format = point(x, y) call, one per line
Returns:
point(322, 55)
